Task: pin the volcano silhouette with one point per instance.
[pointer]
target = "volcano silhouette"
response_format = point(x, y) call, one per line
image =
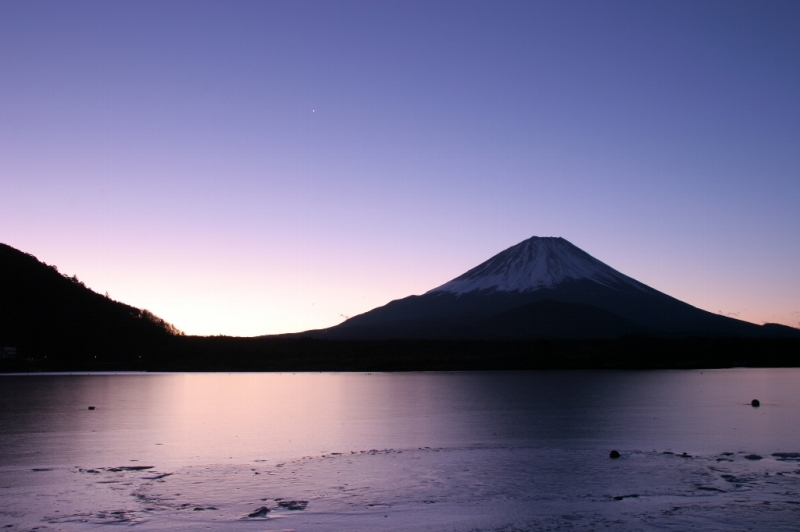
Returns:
point(543, 287)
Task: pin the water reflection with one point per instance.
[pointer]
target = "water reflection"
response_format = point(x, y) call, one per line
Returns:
point(204, 418)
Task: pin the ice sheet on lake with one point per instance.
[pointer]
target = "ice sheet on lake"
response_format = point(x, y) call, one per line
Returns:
point(460, 489)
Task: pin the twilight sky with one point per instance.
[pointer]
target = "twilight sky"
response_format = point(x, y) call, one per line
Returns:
point(250, 168)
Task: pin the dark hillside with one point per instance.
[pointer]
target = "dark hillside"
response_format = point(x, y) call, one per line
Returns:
point(46, 314)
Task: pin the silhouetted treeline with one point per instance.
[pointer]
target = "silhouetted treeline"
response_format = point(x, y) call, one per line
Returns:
point(192, 353)
point(45, 314)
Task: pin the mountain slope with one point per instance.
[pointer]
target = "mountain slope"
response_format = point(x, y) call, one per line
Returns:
point(534, 271)
point(43, 313)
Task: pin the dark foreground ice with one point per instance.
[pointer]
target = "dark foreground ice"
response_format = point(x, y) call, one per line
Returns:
point(467, 489)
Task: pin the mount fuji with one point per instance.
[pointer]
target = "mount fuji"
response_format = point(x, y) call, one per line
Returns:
point(543, 287)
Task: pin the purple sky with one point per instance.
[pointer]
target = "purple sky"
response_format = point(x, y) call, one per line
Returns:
point(262, 167)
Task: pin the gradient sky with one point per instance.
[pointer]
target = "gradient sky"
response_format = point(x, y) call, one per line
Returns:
point(250, 168)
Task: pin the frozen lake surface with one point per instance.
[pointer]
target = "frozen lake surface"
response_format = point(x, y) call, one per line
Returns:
point(406, 451)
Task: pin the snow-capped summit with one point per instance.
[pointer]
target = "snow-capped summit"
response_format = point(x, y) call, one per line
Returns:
point(540, 288)
point(539, 262)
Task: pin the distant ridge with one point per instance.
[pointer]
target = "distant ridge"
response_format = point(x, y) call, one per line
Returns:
point(543, 287)
point(46, 314)
point(57, 324)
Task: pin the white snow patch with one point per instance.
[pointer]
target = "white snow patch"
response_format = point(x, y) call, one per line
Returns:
point(539, 262)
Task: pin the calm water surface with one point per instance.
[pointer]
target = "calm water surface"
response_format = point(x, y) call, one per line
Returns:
point(177, 419)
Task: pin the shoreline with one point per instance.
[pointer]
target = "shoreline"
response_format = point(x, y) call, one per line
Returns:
point(276, 354)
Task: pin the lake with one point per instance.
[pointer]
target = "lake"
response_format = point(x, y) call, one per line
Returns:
point(499, 451)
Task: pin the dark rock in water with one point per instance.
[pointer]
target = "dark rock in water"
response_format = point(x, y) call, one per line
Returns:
point(709, 488)
point(293, 505)
point(738, 481)
point(686, 455)
point(261, 512)
point(613, 454)
point(130, 468)
point(755, 403)
point(91, 408)
point(158, 477)
point(787, 457)
point(753, 457)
